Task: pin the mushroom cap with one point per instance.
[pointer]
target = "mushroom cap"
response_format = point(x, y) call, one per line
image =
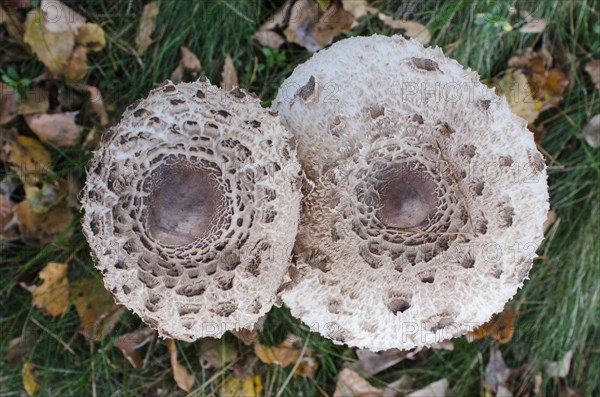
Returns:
point(427, 197)
point(191, 209)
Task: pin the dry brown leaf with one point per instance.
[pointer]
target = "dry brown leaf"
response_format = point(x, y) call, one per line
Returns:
point(435, 389)
point(247, 387)
point(30, 383)
point(131, 345)
point(335, 20)
point(591, 131)
point(307, 366)
point(190, 61)
point(52, 47)
point(266, 34)
point(96, 105)
point(52, 296)
point(77, 64)
point(45, 194)
point(91, 36)
point(36, 101)
point(501, 327)
point(147, 25)
point(372, 363)
point(7, 219)
point(42, 226)
point(593, 69)
point(97, 310)
point(29, 159)
point(284, 354)
point(497, 374)
point(217, 353)
point(560, 369)
point(8, 105)
point(181, 375)
point(57, 129)
point(358, 8)
point(304, 16)
point(411, 29)
point(532, 24)
point(351, 384)
point(229, 78)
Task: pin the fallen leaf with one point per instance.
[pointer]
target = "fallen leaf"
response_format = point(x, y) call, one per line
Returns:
point(532, 24)
point(96, 104)
point(372, 363)
point(335, 20)
point(42, 226)
point(181, 375)
point(399, 387)
point(57, 129)
point(91, 37)
point(500, 327)
point(131, 345)
point(436, 389)
point(267, 35)
point(189, 64)
point(593, 69)
point(217, 353)
point(8, 105)
point(229, 78)
point(303, 17)
point(497, 373)
point(96, 307)
point(515, 87)
point(246, 336)
point(36, 100)
point(284, 354)
point(550, 219)
point(18, 347)
point(247, 387)
point(147, 25)
point(52, 47)
point(307, 366)
point(29, 159)
point(591, 132)
point(77, 64)
point(358, 8)
point(411, 29)
point(45, 194)
point(351, 384)
point(30, 383)
point(58, 17)
point(7, 219)
point(52, 296)
point(560, 369)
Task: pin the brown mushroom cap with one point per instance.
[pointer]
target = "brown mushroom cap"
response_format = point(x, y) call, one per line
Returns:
point(191, 209)
point(426, 200)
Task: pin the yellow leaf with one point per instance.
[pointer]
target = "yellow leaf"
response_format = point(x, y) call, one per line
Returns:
point(96, 307)
point(500, 327)
point(30, 384)
point(250, 386)
point(53, 48)
point(44, 195)
point(147, 25)
point(52, 296)
point(36, 101)
point(28, 158)
point(91, 36)
point(229, 77)
point(57, 129)
point(410, 29)
point(307, 367)
point(283, 354)
point(515, 87)
point(182, 377)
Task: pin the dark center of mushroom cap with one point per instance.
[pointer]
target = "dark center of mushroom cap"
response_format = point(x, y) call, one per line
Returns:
point(183, 204)
point(407, 199)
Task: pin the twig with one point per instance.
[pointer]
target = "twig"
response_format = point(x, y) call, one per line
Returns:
point(52, 334)
point(294, 368)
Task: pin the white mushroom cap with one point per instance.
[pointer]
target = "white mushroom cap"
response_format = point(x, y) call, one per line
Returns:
point(191, 209)
point(427, 197)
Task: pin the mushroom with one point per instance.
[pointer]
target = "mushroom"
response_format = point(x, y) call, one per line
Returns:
point(191, 209)
point(425, 200)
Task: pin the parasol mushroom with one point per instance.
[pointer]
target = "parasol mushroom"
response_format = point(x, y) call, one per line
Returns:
point(191, 208)
point(425, 200)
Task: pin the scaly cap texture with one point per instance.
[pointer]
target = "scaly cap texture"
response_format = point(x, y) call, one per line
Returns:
point(425, 200)
point(191, 209)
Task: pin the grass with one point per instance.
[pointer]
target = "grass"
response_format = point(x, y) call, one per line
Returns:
point(558, 308)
